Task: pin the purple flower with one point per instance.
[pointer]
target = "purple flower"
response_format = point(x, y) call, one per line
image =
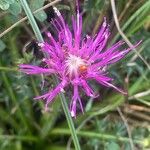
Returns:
point(76, 61)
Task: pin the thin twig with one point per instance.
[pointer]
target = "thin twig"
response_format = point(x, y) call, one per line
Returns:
point(134, 57)
point(98, 22)
point(127, 127)
point(125, 9)
point(137, 107)
point(25, 18)
point(134, 122)
point(123, 35)
point(137, 114)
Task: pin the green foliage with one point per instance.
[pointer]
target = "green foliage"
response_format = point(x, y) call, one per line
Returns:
point(15, 8)
point(5, 4)
point(112, 146)
point(2, 46)
point(36, 4)
point(94, 5)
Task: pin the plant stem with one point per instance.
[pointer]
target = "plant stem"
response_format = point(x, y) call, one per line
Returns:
point(101, 136)
point(32, 20)
point(70, 122)
point(8, 69)
point(62, 97)
point(18, 137)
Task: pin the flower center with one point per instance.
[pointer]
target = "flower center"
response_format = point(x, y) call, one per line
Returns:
point(74, 64)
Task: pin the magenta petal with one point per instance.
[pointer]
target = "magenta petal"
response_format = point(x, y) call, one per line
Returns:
point(53, 93)
point(88, 90)
point(41, 96)
point(117, 89)
point(30, 69)
point(75, 98)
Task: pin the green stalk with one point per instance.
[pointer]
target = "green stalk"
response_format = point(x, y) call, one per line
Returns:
point(18, 137)
point(102, 136)
point(70, 121)
point(62, 97)
point(32, 20)
point(13, 69)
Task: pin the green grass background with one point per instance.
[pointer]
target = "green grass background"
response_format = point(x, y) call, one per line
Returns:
point(23, 123)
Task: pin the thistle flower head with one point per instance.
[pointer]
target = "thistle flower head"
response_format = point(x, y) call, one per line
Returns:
point(76, 60)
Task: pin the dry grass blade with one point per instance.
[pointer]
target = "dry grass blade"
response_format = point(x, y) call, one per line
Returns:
point(127, 127)
point(113, 6)
point(139, 95)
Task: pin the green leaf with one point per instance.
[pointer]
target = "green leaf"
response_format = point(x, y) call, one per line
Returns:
point(112, 146)
point(93, 5)
point(2, 46)
point(89, 105)
point(15, 8)
point(9, 1)
point(4, 5)
point(36, 4)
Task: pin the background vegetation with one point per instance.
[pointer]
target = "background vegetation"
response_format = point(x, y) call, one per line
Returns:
point(111, 122)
